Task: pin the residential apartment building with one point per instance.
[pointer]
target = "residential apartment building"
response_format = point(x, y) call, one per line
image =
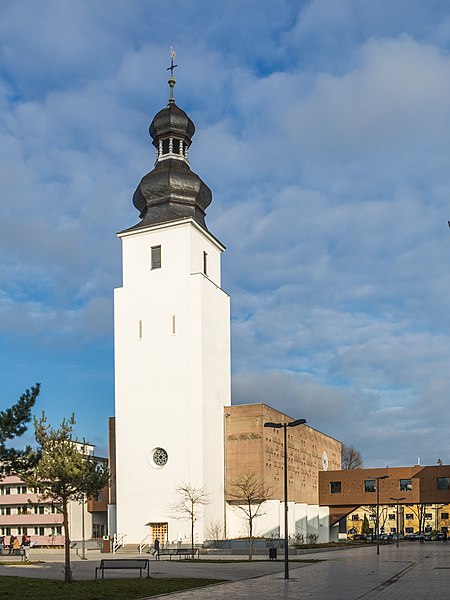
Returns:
point(435, 518)
point(22, 511)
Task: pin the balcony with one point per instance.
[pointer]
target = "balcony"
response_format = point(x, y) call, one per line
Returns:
point(30, 520)
point(22, 499)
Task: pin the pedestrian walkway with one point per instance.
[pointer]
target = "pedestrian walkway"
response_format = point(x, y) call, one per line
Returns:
point(413, 571)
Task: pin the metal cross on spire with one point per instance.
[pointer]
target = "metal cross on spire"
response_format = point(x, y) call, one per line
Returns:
point(171, 68)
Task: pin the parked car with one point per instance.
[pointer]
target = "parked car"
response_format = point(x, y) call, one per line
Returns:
point(417, 537)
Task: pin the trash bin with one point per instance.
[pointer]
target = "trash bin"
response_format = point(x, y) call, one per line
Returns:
point(106, 544)
point(272, 554)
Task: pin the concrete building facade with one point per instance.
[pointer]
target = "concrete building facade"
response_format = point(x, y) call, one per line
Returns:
point(252, 448)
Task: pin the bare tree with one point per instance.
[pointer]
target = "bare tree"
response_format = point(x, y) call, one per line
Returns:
point(419, 511)
point(249, 494)
point(215, 533)
point(383, 512)
point(351, 458)
point(189, 507)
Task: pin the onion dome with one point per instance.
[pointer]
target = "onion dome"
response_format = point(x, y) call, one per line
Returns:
point(171, 191)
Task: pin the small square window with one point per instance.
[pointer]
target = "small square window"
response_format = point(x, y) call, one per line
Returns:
point(409, 516)
point(409, 529)
point(443, 483)
point(391, 517)
point(156, 257)
point(405, 485)
point(335, 487)
point(444, 515)
point(428, 516)
point(370, 485)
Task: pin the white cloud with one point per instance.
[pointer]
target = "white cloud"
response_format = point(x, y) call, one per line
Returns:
point(322, 133)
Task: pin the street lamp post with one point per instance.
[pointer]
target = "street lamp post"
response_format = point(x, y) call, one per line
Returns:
point(83, 543)
point(286, 535)
point(397, 500)
point(378, 479)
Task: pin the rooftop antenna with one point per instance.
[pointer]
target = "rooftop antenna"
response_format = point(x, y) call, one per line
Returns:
point(172, 78)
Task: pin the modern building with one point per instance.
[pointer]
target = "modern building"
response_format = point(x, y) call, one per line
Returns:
point(252, 448)
point(344, 492)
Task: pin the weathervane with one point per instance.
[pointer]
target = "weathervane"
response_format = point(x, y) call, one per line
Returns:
point(171, 68)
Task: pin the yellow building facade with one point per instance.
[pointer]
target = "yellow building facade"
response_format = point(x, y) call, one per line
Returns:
point(435, 517)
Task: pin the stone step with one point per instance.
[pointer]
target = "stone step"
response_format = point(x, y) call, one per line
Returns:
point(130, 549)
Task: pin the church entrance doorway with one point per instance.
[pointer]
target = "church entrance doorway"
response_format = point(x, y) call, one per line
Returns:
point(160, 531)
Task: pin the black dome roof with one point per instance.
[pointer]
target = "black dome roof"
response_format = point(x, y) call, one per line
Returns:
point(171, 191)
point(171, 120)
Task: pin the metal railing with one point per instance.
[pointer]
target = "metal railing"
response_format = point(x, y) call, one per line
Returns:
point(144, 543)
point(118, 541)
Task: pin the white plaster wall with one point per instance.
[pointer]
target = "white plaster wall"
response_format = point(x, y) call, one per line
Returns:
point(302, 518)
point(75, 512)
point(170, 386)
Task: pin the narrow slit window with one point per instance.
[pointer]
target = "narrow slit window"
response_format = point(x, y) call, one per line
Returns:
point(205, 263)
point(140, 330)
point(174, 328)
point(156, 257)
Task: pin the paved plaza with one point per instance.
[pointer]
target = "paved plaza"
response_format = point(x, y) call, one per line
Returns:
point(413, 571)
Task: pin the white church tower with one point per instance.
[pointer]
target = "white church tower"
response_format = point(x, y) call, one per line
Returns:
point(172, 346)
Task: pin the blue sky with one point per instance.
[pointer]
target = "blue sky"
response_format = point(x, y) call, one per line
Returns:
point(322, 130)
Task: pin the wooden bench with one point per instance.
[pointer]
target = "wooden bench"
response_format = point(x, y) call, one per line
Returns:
point(15, 552)
point(123, 563)
point(185, 553)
